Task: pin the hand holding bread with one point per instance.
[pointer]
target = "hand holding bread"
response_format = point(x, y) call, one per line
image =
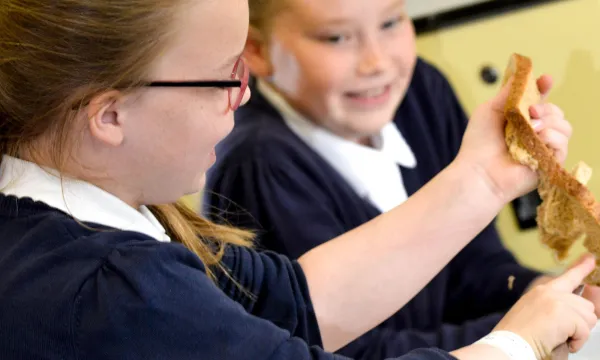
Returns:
point(484, 146)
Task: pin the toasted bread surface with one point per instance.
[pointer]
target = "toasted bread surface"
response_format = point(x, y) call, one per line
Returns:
point(569, 209)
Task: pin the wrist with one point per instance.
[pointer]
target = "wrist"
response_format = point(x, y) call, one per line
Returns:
point(479, 184)
point(513, 345)
point(479, 352)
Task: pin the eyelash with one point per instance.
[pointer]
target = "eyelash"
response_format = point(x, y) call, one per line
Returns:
point(339, 38)
point(333, 39)
point(392, 23)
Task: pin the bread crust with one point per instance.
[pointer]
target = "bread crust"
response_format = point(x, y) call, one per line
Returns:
point(574, 209)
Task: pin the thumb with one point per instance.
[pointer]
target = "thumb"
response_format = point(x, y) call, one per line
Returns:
point(544, 84)
point(574, 276)
point(498, 102)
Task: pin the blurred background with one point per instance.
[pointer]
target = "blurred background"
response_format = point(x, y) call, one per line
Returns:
point(471, 41)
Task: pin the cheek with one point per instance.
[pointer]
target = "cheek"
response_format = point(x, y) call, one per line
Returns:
point(189, 144)
point(405, 51)
point(208, 123)
point(189, 123)
point(286, 67)
point(304, 66)
point(327, 68)
point(326, 77)
point(210, 130)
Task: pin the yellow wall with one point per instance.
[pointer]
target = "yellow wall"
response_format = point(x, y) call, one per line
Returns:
point(563, 40)
point(193, 201)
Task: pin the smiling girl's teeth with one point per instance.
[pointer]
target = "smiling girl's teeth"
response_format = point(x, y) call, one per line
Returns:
point(371, 92)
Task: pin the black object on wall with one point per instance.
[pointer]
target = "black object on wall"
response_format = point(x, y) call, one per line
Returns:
point(525, 210)
point(468, 13)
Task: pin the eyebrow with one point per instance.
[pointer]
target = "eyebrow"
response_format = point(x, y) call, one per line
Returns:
point(341, 20)
point(395, 5)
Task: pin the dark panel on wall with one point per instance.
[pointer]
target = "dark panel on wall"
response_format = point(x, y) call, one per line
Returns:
point(470, 13)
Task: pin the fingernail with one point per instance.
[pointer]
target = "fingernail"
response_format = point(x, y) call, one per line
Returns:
point(534, 110)
point(536, 124)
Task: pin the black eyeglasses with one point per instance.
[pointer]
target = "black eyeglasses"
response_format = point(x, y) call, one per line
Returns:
point(236, 86)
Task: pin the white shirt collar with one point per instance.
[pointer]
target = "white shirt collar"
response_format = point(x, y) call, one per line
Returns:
point(372, 173)
point(83, 201)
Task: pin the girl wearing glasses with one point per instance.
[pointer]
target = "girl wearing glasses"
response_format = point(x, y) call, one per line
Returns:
point(346, 123)
point(109, 113)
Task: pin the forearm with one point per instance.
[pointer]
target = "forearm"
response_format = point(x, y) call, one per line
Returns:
point(480, 351)
point(362, 277)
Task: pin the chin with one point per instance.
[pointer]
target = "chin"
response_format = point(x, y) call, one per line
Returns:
point(372, 124)
point(195, 186)
point(200, 183)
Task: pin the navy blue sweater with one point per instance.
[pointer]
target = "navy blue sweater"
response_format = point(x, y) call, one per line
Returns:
point(69, 292)
point(266, 178)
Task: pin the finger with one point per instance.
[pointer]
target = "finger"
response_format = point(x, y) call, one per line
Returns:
point(559, 124)
point(584, 308)
point(552, 117)
point(544, 84)
point(579, 260)
point(585, 320)
point(582, 313)
point(556, 141)
point(547, 109)
point(574, 276)
point(592, 293)
point(580, 335)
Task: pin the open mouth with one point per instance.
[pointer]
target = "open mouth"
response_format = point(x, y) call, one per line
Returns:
point(373, 96)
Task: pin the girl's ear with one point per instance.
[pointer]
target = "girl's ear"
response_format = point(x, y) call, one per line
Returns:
point(105, 121)
point(256, 54)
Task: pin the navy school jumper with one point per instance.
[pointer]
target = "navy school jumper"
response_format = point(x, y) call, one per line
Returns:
point(70, 292)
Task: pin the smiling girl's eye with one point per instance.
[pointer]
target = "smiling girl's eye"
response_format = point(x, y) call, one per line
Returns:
point(334, 38)
point(391, 23)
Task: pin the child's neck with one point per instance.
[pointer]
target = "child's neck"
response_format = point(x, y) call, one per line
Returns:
point(366, 141)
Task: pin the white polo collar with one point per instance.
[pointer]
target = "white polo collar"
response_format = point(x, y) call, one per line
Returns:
point(372, 172)
point(82, 200)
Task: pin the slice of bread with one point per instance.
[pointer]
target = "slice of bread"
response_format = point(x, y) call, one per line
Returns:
point(560, 235)
point(568, 210)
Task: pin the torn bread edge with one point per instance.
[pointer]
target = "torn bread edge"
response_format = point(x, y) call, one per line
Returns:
point(569, 209)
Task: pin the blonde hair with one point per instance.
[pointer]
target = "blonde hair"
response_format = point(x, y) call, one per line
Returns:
point(262, 11)
point(54, 58)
